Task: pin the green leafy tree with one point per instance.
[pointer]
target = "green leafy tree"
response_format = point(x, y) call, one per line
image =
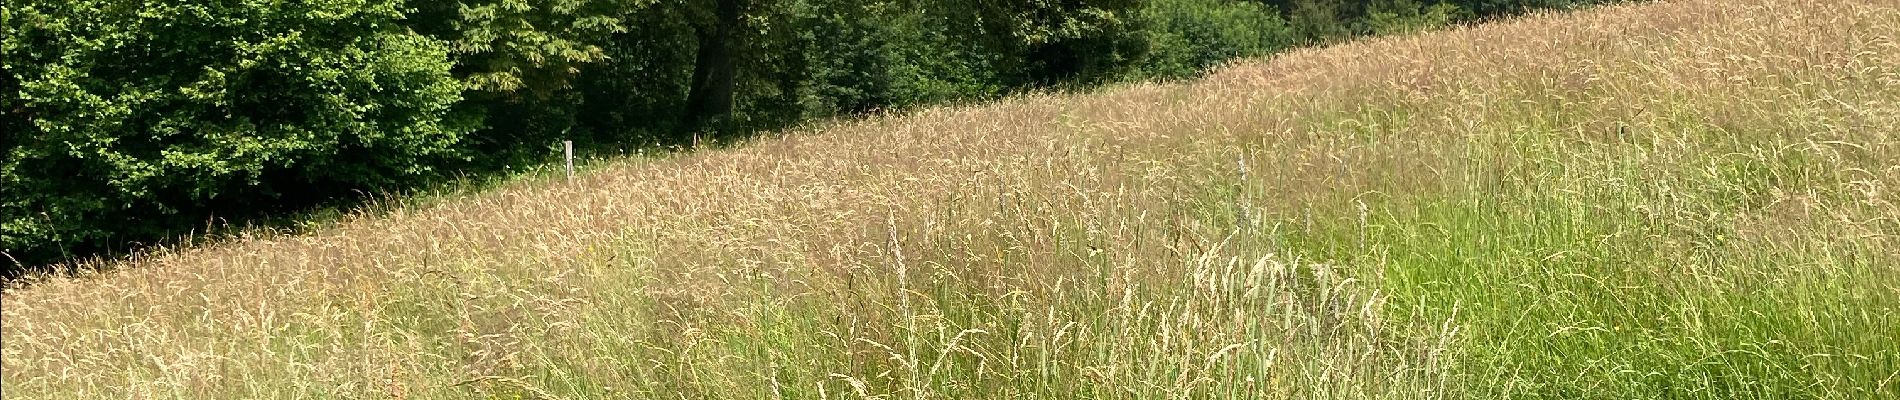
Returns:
point(1083, 41)
point(1188, 36)
point(1318, 20)
point(716, 64)
point(633, 98)
point(1488, 8)
point(129, 120)
point(519, 60)
point(1390, 17)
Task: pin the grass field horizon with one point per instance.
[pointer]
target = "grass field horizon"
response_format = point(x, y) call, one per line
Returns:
point(1677, 199)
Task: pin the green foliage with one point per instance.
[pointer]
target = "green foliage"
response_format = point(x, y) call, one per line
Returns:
point(634, 96)
point(1319, 20)
point(1485, 8)
point(1085, 41)
point(511, 45)
point(1393, 17)
point(1189, 36)
point(520, 60)
point(137, 118)
point(844, 57)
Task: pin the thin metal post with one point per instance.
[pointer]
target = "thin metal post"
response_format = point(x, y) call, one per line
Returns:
point(567, 147)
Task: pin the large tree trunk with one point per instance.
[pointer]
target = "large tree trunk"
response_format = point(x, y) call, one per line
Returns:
point(709, 104)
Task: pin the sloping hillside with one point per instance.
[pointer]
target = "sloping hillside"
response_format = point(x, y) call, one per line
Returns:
point(1687, 199)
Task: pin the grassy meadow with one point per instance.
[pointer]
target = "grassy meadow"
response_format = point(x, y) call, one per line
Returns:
point(1681, 199)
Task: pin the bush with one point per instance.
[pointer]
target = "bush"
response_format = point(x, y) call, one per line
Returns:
point(135, 120)
point(850, 57)
point(1187, 37)
point(1395, 17)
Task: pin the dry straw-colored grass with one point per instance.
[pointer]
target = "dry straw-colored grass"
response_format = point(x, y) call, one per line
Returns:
point(1687, 199)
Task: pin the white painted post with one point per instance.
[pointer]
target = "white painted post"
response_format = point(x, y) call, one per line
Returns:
point(568, 148)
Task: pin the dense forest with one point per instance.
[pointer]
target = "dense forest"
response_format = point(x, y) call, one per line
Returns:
point(134, 121)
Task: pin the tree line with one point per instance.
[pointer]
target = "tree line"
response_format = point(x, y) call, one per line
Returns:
point(134, 121)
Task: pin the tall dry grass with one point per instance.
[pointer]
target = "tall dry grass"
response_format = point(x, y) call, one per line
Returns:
point(1689, 199)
